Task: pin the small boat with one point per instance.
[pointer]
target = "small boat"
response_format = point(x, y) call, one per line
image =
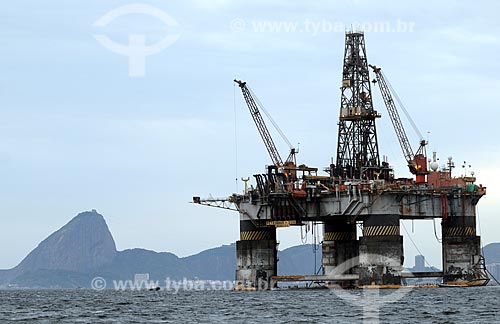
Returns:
point(478, 282)
point(471, 283)
point(445, 285)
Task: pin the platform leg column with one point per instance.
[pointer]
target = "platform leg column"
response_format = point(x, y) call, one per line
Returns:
point(339, 245)
point(256, 256)
point(461, 249)
point(381, 251)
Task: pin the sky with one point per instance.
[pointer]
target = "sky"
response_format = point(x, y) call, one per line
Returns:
point(83, 127)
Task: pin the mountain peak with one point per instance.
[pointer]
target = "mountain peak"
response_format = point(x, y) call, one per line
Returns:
point(83, 244)
point(88, 217)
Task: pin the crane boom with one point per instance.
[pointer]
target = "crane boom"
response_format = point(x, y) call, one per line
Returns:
point(416, 162)
point(394, 114)
point(259, 122)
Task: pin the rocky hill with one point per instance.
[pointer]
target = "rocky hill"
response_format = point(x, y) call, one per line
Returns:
point(84, 244)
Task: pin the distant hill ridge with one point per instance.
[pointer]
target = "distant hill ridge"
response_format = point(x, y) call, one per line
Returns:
point(84, 248)
point(492, 253)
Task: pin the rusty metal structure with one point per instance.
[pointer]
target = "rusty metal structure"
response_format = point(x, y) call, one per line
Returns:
point(359, 190)
point(357, 148)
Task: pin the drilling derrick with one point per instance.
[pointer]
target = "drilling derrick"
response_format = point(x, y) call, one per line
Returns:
point(357, 148)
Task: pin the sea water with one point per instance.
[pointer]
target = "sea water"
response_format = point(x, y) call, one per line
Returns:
point(438, 305)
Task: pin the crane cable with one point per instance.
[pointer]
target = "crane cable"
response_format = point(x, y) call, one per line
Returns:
point(315, 235)
point(440, 240)
point(315, 247)
point(303, 238)
point(482, 248)
point(235, 138)
point(414, 126)
point(278, 129)
point(415, 245)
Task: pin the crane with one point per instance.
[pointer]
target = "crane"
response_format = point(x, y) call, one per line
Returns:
point(417, 163)
point(253, 105)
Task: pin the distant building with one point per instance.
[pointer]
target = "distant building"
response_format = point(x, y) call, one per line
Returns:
point(419, 263)
point(420, 267)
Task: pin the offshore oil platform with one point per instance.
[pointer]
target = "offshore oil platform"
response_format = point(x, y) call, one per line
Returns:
point(357, 190)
